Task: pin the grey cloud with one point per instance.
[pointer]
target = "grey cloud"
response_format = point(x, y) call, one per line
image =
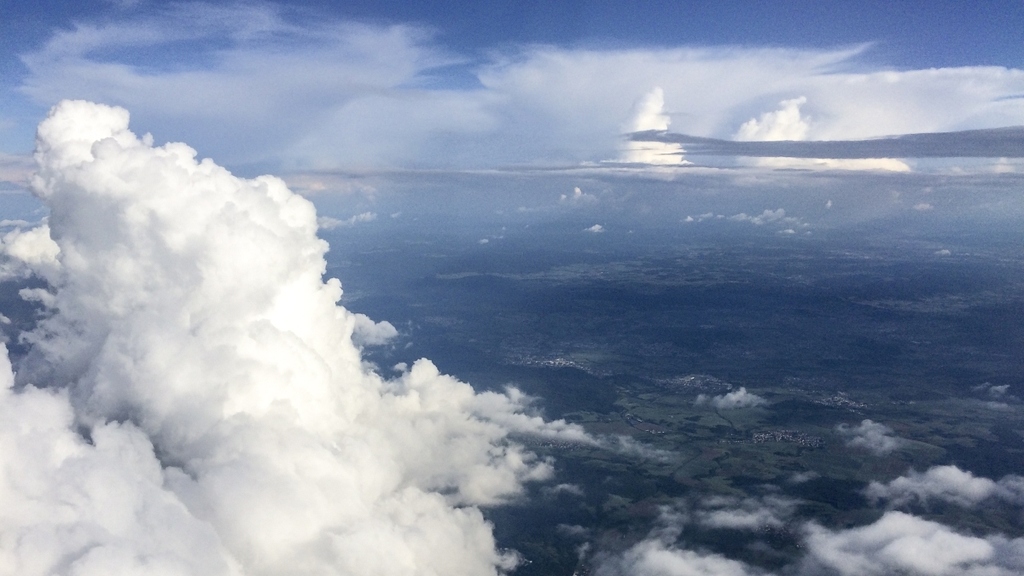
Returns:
point(988, 143)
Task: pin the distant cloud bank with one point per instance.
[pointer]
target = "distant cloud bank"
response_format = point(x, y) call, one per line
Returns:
point(988, 143)
point(264, 86)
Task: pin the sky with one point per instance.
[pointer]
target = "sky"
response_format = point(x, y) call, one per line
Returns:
point(308, 86)
point(196, 401)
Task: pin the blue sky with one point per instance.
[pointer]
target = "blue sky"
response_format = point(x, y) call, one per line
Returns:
point(299, 86)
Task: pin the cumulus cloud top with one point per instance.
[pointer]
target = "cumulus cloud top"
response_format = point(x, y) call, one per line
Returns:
point(233, 426)
point(783, 124)
point(649, 114)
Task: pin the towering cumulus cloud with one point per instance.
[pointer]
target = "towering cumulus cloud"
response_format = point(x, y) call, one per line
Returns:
point(649, 114)
point(194, 401)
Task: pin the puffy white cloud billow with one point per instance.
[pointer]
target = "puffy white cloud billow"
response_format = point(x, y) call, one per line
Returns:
point(947, 483)
point(196, 401)
point(899, 543)
point(872, 436)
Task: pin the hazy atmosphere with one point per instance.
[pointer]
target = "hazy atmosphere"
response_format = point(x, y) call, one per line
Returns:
point(606, 288)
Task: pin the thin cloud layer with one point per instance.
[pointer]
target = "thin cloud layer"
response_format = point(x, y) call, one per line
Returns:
point(989, 143)
point(228, 422)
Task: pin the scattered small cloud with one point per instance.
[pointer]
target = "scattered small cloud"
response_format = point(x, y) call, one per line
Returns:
point(328, 223)
point(574, 531)
point(783, 124)
point(559, 489)
point(923, 207)
point(762, 218)
point(801, 477)
point(596, 229)
point(732, 400)
point(750, 513)
point(660, 555)
point(578, 196)
point(998, 391)
point(872, 436)
point(370, 333)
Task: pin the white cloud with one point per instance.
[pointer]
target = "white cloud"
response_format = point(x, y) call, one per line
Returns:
point(366, 332)
point(578, 197)
point(654, 557)
point(872, 436)
point(595, 229)
point(787, 123)
point(570, 489)
point(29, 252)
point(649, 114)
point(658, 555)
point(328, 223)
point(732, 400)
point(330, 94)
point(899, 543)
point(191, 321)
point(746, 513)
point(762, 218)
point(947, 483)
